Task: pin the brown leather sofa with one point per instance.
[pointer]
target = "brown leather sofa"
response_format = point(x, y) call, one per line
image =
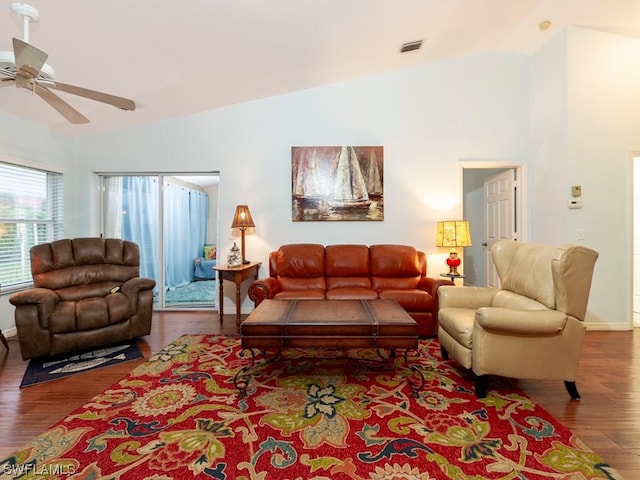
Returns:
point(87, 293)
point(343, 272)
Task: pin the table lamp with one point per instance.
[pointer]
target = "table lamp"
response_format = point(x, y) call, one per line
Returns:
point(453, 234)
point(242, 220)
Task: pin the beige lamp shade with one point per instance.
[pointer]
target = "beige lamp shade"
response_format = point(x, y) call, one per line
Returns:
point(242, 218)
point(453, 233)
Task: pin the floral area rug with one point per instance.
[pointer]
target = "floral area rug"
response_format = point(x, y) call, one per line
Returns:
point(179, 416)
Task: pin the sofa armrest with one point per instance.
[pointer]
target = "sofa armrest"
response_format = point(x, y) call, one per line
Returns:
point(35, 296)
point(431, 285)
point(137, 284)
point(534, 323)
point(43, 299)
point(263, 289)
point(132, 288)
point(466, 297)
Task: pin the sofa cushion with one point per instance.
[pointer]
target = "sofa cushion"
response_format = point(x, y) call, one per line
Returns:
point(394, 267)
point(66, 263)
point(351, 293)
point(529, 273)
point(301, 260)
point(507, 299)
point(348, 266)
point(89, 313)
point(301, 267)
point(80, 292)
point(210, 252)
point(301, 294)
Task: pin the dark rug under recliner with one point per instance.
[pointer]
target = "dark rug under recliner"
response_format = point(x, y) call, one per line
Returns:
point(46, 369)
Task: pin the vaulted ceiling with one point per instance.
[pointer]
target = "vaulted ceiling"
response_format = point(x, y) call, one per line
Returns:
point(176, 57)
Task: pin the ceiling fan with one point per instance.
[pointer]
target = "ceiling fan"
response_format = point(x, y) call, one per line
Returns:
point(26, 67)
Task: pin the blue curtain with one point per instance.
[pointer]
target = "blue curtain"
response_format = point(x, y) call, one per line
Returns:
point(140, 199)
point(185, 226)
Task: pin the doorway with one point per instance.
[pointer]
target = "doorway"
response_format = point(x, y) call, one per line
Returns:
point(173, 219)
point(478, 264)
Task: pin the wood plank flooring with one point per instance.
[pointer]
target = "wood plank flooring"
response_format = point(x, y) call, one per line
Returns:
point(607, 418)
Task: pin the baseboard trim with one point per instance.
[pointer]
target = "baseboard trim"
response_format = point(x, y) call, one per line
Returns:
point(603, 326)
point(10, 332)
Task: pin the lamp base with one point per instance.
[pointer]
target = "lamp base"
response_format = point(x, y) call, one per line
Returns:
point(454, 262)
point(246, 262)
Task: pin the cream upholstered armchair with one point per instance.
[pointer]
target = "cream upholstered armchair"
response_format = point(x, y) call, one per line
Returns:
point(532, 327)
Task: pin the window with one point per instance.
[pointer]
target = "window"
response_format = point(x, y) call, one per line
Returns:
point(30, 213)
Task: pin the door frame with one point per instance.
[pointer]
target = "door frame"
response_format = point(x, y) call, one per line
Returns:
point(635, 223)
point(160, 305)
point(522, 202)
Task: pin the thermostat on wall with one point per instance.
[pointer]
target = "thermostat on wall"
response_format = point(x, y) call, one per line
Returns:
point(575, 203)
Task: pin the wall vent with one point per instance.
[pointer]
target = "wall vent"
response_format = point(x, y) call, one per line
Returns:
point(410, 46)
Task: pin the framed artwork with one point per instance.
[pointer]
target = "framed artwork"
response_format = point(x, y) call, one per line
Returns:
point(337, 184)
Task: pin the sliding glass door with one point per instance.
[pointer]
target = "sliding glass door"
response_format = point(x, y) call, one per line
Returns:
point(173, 219)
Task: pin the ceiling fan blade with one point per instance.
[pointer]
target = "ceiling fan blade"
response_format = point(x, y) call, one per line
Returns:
point(29, 59)
point(7, 79)
point(63, 108)
point(120, 102)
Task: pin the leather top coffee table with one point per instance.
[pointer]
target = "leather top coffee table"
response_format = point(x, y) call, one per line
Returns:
point(330, 324)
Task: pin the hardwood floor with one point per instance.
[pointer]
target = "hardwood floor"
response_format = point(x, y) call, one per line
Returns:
point(607, 418)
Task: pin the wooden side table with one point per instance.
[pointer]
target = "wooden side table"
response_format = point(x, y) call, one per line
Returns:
point(238, 275)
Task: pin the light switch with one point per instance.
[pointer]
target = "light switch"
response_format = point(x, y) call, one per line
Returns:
point(576, 191)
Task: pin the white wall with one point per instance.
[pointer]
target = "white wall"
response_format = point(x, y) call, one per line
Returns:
point(585, 123)
point(427, 118)
point(572, 109)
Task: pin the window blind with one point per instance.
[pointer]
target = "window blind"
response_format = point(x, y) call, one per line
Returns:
point(30, 213)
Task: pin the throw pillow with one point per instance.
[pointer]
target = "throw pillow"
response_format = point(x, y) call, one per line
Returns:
point(209, 252)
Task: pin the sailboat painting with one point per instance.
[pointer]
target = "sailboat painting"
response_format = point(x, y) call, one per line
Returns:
point(343, 183)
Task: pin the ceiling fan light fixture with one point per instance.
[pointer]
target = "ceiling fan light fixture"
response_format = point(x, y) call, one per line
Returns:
point(8, 64)
point(411, 46)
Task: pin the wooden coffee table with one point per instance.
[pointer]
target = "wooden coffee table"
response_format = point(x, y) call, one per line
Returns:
point(330, 324)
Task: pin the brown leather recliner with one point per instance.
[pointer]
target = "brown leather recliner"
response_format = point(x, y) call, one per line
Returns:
point(87, 293)
point(344, 272)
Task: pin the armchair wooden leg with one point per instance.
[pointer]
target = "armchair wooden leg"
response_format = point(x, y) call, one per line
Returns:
point(481, 386)
point(572, 389)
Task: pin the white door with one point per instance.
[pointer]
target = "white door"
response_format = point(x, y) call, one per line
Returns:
point(500, 193)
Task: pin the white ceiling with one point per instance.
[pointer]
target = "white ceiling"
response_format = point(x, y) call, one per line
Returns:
point(176, 57)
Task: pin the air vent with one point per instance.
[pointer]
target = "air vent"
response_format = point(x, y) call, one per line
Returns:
point(410, 46)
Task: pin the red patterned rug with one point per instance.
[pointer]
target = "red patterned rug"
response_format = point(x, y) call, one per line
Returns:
point(179, 416)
